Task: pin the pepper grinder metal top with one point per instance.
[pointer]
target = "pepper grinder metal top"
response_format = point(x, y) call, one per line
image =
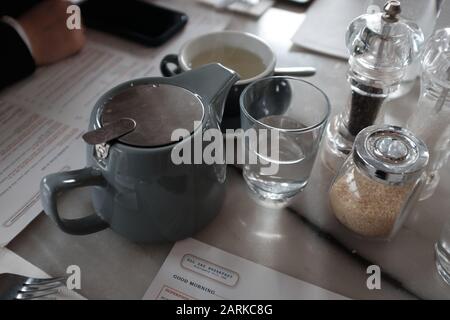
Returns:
point(392, 9)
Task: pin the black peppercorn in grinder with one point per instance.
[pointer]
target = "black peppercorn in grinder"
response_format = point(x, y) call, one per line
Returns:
point(381, 46)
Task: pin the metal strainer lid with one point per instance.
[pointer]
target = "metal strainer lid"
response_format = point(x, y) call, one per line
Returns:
point(390, 154)
point(157, 109)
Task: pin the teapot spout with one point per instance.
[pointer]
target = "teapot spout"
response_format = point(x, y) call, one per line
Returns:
point(212, 83)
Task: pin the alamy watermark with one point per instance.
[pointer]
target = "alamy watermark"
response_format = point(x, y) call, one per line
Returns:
point(73, 22)
point(374, 280)
point(252, 146)
point(74, 277)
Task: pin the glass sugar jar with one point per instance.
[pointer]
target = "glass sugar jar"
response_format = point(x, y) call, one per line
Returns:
point(380, 181)
point(381, 47)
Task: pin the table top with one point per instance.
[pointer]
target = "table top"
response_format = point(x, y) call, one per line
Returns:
point(303, 240)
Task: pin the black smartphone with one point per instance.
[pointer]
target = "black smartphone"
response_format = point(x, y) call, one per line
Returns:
point(135, 20)
point(300, 2)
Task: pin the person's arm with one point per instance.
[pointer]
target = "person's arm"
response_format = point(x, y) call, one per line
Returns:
point(16, 61)
point(49, 40)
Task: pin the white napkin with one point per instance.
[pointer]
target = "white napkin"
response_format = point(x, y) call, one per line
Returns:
point(12, 263)
point(325, 25)
point(255, 10)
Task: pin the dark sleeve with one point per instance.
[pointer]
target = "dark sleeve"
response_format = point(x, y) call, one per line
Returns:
point(16, 61)
point(16, 8)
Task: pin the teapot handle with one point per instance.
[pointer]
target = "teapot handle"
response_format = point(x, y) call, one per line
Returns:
point(53, 184)
point(164, 66)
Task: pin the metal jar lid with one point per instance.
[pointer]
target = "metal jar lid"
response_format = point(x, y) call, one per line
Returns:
point(390, 154)
point(157, 110)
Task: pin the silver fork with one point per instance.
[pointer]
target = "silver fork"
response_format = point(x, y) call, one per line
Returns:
point(16, 287)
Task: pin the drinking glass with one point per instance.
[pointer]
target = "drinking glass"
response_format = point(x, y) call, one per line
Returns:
point(288, 117)
point(442, 250)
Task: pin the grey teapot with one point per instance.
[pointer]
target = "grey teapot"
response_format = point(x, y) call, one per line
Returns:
point(137, 189)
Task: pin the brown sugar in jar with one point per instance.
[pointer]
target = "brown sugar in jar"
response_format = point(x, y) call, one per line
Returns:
point(367, 207)
point(377, 185)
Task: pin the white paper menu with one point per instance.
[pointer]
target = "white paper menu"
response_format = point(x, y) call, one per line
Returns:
point(194, 270)
point(43, 117)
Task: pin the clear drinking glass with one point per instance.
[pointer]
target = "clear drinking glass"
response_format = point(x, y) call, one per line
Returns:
point(430, 118)
point(442, 250)
point(288, 117)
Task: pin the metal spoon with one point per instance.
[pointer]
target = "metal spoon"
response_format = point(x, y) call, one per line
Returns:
point(295, 71)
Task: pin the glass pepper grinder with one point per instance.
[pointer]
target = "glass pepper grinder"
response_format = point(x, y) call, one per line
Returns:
point(431, 117)
point(381, 46)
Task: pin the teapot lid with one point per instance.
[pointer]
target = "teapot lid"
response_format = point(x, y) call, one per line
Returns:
point(157, 110)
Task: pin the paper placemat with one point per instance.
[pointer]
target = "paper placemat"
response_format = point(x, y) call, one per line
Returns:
point(12, 263)
point(325, 25)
